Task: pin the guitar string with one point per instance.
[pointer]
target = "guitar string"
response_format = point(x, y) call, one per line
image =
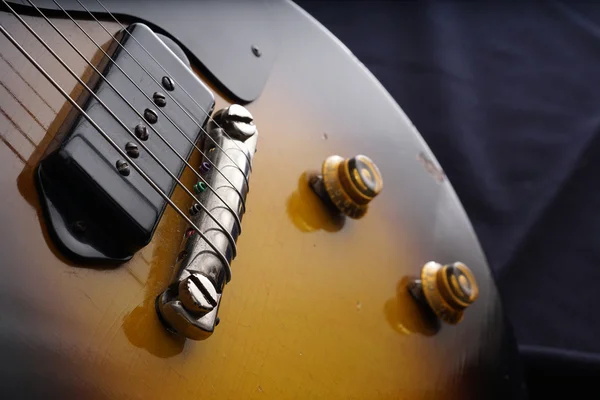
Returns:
point(159, 64)
point(32, 31)
point(139, 170)
point(170, 96)
point(237, 220)
point(112, 143)
point(160, 109)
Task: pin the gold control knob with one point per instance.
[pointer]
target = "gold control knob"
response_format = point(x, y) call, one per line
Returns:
point(351, 183)
point(449, 289)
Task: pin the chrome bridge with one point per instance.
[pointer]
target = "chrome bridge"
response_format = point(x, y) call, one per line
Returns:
point(190, 304)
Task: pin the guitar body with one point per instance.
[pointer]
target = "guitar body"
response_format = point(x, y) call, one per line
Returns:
point(317, 306)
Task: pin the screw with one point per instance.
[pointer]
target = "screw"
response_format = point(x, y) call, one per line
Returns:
point(168, 83)
point(239, 122)
point(141, 131)
point(123, 167)
point(80, 227)
point(150, 115)
point(159, 99)
point(132, 150)
point(237, 113)
point(256, 51)
point(197, 294)
point(205, 167)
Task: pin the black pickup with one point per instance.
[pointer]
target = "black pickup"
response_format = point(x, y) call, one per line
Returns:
point(95, 212)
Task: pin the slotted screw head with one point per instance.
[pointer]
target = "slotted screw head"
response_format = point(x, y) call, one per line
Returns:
point(141, 131)
point(132, 150)
point(168, 83)
point(150, 115)
point(197, 294)
point(159, 99)
point(123, 167)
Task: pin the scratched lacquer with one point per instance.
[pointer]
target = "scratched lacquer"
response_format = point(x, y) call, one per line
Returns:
point(317, 306)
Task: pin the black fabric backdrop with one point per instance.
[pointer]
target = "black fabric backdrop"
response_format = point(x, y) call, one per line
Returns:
point(507, 95)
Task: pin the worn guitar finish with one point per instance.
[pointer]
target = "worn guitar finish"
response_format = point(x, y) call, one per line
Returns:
point(317, 306)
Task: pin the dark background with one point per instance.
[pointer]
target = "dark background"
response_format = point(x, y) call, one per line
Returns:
point(507, 95)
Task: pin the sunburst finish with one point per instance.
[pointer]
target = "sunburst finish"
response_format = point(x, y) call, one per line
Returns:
point(317, 307)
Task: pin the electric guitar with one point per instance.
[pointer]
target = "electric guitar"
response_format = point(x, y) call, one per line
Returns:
point(137, 262)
